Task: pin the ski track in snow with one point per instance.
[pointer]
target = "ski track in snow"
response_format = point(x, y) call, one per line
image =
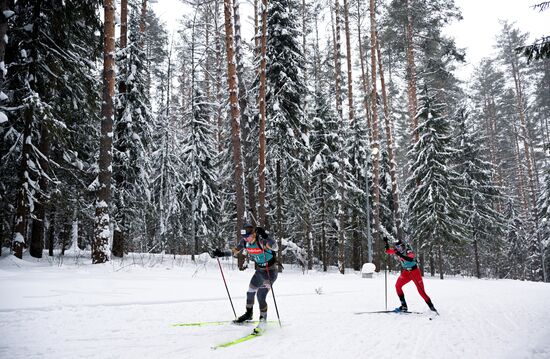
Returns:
point(95, 312)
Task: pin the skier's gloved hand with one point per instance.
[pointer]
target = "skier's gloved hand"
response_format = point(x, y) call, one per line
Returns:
point(261, 232)
point(218, 253)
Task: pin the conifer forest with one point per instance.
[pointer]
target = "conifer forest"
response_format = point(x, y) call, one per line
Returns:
point(338, 125)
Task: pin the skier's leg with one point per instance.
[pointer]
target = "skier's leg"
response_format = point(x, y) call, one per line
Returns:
point(417, 277)
point(255, 282)
point(268, 279)
point(403, 279)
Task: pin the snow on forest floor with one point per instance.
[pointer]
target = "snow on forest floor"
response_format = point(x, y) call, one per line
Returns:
point(73, 309)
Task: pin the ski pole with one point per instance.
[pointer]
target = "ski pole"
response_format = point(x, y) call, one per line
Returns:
point(227, 289)
point(386, 283)
point(386, 276)
point(273, 293)
point(271, 286)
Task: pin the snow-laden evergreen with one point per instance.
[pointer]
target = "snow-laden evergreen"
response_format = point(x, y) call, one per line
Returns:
point(543, 232)
point(201, 197)
point(480, 197)
point(435, 217)
point(132, 137)
point(287, 126)
point(51, 102)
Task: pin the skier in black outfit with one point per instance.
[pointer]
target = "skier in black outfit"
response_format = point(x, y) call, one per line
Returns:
point(259, 246)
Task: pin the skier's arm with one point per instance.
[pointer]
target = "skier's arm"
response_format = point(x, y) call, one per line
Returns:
point(229, 252)
point(409, 257)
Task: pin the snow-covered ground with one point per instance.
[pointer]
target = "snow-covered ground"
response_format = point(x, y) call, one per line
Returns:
point(73, 309)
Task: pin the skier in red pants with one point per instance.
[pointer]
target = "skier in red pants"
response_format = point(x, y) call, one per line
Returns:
point(409, 272)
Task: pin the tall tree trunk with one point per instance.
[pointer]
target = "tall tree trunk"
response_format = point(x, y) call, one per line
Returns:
point(324, 249)
point(411, 73)
point(356, 243)
point(22, 206)
point(235, 116)
point(3, 32)
point(476, 256)
point(366, 92)
point(218, 45)
point(262, 104)
point(279, 179)
point(375, 136)
point(142, 22)
point(51, 231)
point(123, 39)
point(490, 125)
point(37, 232)
point(525, 134)
point(391, 146)
point(351, 108)
point(100, 248)
point(440, 260)
point(307, 185)
point(207, 51)
point(520, 176)
point(245, 121)
point(338, 95)
point(24, 197)
point(118, 228)
point(364, 77)
point(256, 27)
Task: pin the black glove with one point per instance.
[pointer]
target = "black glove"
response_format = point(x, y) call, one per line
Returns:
point(218, 253)
point(261, 232)
point(386, 245)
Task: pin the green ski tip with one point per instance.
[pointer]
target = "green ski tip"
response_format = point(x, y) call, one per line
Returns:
point(237, 341)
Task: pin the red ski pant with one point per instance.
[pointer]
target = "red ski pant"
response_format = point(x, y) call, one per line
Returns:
point(414, 275)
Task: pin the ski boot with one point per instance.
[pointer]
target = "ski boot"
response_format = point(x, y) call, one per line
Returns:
point(403, 307)
point(260, 328)
point(431, 306)
point(245, 317)
point(400, 309)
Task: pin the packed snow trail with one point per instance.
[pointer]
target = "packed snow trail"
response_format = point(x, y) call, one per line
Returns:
point(79, 310)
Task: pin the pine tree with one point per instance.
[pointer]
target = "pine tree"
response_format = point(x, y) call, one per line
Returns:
point(478, 193)
point(286, 126)
point(132, 135)
point(202, 194)
point(49, 88)
point(235, 116)
point(543, 211)
point(507, 41)
point(434, 213)
point(100, 249)
point(516, 250)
